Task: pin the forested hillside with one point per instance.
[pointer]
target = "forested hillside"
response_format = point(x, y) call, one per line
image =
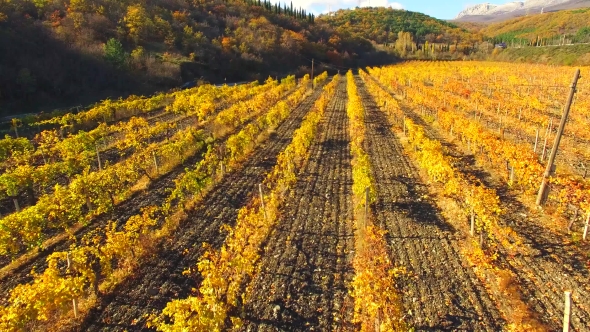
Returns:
point(66, 50)
point(568, 26)
point(383, 25)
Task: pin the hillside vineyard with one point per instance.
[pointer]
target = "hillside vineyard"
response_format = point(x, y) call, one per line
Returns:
point(392, 198)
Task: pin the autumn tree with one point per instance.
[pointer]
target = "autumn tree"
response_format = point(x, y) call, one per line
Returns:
point(404, 42)
point(191, 40)
point(138, 23)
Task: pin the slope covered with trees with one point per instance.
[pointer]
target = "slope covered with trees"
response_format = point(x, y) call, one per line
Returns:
point(64, 50)
point(569, 26)
point(383, 25)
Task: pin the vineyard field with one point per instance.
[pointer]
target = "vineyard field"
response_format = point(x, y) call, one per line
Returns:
point(395, 198)
point(304, 266)
point(180, 252)
point(420, 240)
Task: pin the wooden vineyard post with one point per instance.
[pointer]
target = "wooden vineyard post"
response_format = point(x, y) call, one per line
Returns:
point(571, 223)
point(378, 322)
point(16, 205)
point(74, 300)
point(222, 166)
point(544, 152)
point(262, 200)
point(404, 124)
point(156, 163)
point(15, 122)
point(366, 207)
point(472, 230)
point(312, 60)
point(549, 169)
point(98, 158)
point(536, 141)
point(43, 155)
point(547, 133)
point(567, 311)
point(586, 227)
point(511, 175)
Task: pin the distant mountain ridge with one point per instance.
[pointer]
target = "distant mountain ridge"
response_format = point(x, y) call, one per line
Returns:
point(488, 12)
point(479, 9)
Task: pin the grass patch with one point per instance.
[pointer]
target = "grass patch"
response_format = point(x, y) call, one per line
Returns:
point(572, 55)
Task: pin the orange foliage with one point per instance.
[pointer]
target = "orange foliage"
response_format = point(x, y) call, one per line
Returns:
point(226, 43)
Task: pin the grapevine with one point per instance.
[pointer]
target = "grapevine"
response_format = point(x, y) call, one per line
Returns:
point(224, 271)
point(376, 299)
point(125, 246)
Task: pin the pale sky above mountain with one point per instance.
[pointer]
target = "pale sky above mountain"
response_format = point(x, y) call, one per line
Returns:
point(435, 8)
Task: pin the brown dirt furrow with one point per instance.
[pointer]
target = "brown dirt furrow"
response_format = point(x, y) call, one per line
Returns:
point(161, 279)
point(543, 283)
point(306, 267)
point(440, 292)
point(551, 263)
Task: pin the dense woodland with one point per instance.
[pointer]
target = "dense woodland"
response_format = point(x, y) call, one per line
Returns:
point(387, 26)
point(64, 50)
point(64, 53)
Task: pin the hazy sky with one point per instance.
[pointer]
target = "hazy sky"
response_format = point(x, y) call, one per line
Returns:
point(436, 8)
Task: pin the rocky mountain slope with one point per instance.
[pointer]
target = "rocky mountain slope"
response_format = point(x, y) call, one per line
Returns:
point(487, 12)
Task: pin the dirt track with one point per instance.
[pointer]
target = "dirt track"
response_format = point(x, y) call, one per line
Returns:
point(162, 275)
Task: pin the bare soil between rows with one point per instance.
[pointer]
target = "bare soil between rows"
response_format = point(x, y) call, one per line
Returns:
point(439, 291)
point(549, 263)
point(161, 278)
point(305, 267)
point(155, 194)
